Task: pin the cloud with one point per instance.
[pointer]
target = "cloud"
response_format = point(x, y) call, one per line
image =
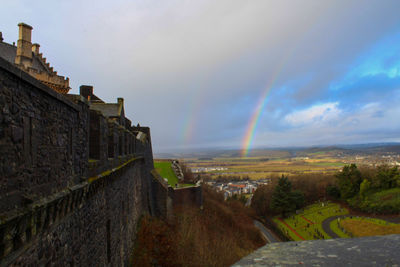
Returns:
point(321, 113)
point(206, 63)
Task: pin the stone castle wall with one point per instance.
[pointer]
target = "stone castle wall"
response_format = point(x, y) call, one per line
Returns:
point(43, 139)
point(166, 198)
point(100, 230)
point(73, 183)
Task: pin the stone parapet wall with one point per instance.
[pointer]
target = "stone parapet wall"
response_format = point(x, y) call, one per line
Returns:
point(42, 139)
point(92, 223)
point(362, 251)
point(191, 195)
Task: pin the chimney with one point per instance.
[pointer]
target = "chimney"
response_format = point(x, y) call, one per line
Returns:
point(35, 49)
point(24, 46)
point(86, 91)
point(1, 37)
point(120, 101)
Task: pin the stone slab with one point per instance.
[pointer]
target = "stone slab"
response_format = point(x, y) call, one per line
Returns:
point(365, 251)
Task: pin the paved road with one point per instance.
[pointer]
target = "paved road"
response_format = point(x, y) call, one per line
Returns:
point(248, 202)
point(266, 232)
point(326, 226)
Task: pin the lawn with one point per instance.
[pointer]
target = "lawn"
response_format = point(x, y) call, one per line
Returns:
point(306, 225)
point(165, 170)
point(362, 226)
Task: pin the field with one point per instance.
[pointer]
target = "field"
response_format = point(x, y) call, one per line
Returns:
point(267, 163)
point(261, 167)
point(359, 227)
point(307, 225)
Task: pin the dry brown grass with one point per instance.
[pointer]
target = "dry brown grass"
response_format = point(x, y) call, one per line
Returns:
point(219, 235)
point(361, 228)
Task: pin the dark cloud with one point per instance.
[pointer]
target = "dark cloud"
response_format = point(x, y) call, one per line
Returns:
point(205, 64)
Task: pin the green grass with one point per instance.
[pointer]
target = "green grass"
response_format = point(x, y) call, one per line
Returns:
point(165, 170)
point(310, 230)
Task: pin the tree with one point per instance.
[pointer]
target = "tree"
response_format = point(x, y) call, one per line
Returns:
point(349, 180)
point(333, 191)
point(364, 187)
point(261, 200)
point(387, 177)
point(297, 198)
point(282, 199)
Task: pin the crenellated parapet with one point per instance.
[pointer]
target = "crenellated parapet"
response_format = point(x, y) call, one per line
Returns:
point(58, 83)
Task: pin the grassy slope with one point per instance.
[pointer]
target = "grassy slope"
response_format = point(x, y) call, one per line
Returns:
point(388, 197)
point(165, 170)
point(386, 201)
point(314, 213)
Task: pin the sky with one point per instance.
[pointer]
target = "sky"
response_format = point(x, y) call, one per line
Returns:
point(229, 73)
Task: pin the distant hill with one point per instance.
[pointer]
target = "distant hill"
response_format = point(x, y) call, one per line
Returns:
point(287, 152)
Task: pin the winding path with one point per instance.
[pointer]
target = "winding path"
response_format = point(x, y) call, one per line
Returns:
point(327, 228)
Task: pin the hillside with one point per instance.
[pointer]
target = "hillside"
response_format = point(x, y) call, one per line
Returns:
point(218, 235)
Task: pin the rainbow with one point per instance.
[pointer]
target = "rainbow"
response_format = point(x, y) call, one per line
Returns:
point(255, 118)
point(252, 125)
point(188, 126)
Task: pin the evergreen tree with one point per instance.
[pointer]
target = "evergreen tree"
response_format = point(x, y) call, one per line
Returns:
point(282, 200)
point(349, 180)
point(298, 199)
point(387, 177)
